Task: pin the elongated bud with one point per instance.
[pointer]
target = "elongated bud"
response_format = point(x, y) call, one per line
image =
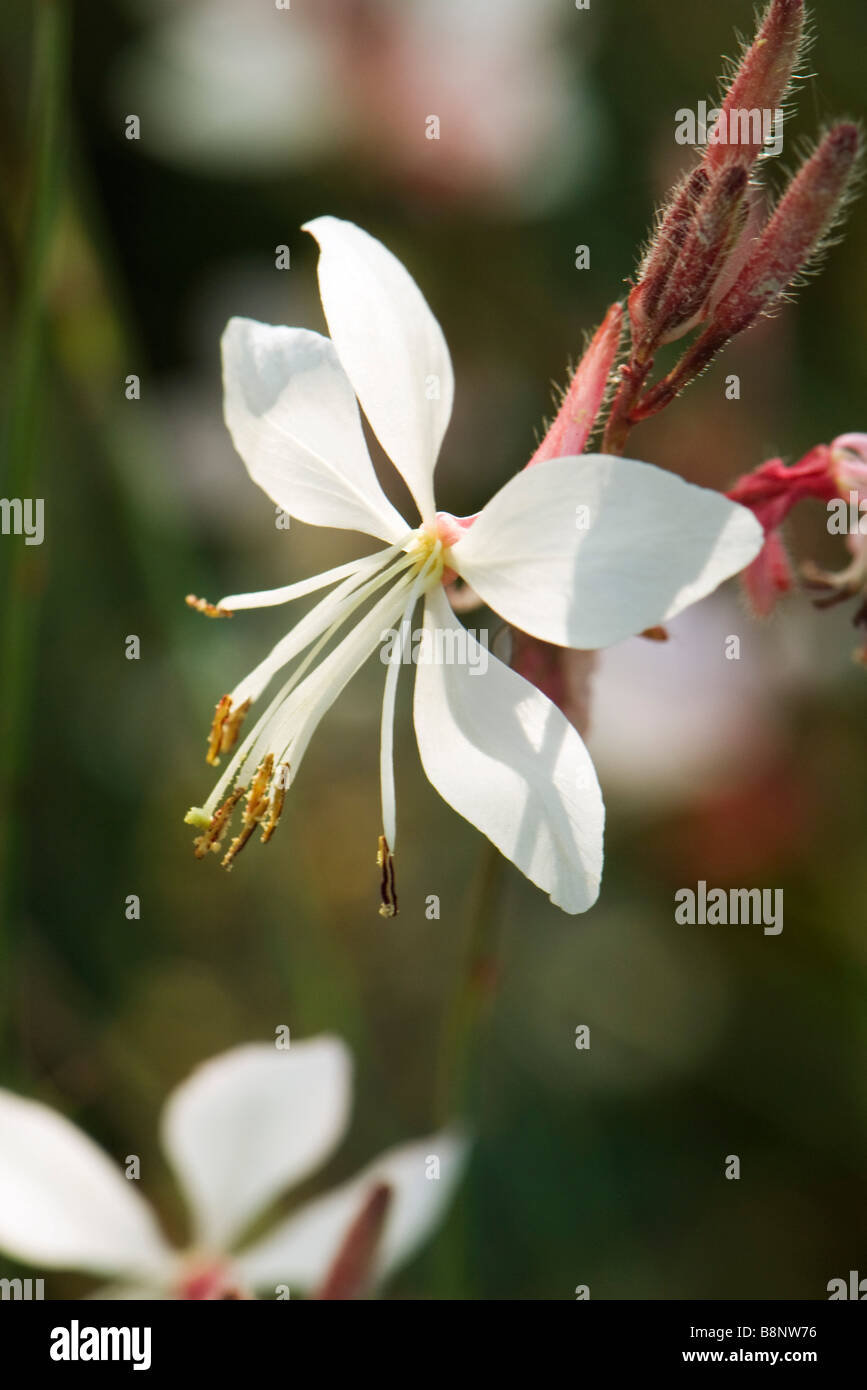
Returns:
point(714, 229)
point(789, 241)
point(794, 232)
point(662, 254)
point(586, 391)
point(759, 85)
point(351, 1268)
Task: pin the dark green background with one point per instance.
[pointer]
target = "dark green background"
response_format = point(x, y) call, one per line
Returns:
point(604, 1168)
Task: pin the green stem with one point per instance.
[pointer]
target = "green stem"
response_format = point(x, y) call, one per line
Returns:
point(20, 565)
point(468, 1009)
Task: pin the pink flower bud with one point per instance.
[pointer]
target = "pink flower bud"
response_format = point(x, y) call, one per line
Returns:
point(714, 227)
point(783, 250)
point(586, 391)
point(760, 82)
point(351, 1267)
point(793, 234)
point(672, 227)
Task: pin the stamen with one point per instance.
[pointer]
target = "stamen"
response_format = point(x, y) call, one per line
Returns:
point(278, 796)
point(210, 610)
point(429, 572)
point(258, 803)
point(215, 737)
point(387, 885)
point(224, 729)
point(258, 735)
point(288, 724)
point(218, 826)
point(231, 726)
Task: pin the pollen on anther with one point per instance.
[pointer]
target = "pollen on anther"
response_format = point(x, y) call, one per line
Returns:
point(210, 610)
point(387, 884)
point(257, 807)
point(224, 728)
point(278, 796)
point(212, 837)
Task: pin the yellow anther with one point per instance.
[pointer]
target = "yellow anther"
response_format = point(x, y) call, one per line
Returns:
point(210, 610)
point(278, 796)
point(224, 728)
point(217, 826)
point(258, 804)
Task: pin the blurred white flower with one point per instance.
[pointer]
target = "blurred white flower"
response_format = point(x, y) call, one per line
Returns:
point(253, 89)
point(672, 717)
point(577, 551)
point(244, 1127)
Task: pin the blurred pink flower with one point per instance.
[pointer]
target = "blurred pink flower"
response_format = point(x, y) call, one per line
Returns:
point(833, 473)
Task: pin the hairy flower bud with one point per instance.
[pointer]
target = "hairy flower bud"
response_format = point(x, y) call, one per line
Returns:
point(794, 233)
point(791, 239)
point(586, 391)
point(714, 228)
point(672, 227)
point(759, 84)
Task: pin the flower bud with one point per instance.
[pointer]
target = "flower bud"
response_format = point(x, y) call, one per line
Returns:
point(351, 1267)
point(714, 228)
point(760, 82)
point(665, 246)
point(586, 391)
point(794, 233)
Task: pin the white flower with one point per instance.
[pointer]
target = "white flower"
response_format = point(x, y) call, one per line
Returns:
point(580, 552)
point(242, 1129)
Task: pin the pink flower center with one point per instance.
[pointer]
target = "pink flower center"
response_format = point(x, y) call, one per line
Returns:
point(209, 1280)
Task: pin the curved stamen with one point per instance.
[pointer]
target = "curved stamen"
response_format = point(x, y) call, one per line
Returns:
point(386, 755)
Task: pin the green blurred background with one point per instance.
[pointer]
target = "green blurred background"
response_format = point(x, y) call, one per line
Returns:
point(603, 1167)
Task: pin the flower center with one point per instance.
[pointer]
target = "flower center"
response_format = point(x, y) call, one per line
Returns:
point(208, 1279)
point(426, 548)
point(433, 541)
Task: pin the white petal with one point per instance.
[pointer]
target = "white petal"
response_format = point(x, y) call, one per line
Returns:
point(508, 760)
point(64, 1203)
point(251, 1122)
point(294, 420)
point(390, 346)
point(299, 1252)
point(647, 546)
